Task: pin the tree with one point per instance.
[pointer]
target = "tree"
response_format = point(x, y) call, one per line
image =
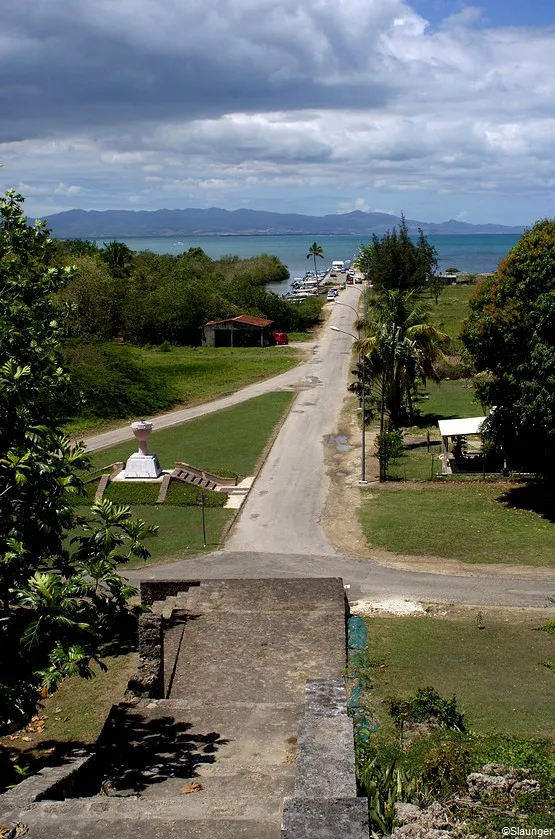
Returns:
point(402, 349)
point(510, 335)
point(88, 297)
point(315, 250)
point(118, 257)
point(389, 446)
point(395, 262)
point(57, 605)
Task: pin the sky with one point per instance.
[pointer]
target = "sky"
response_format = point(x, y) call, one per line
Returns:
point(435, 108)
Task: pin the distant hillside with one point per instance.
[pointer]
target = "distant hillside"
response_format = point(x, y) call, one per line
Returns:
point(110, 224)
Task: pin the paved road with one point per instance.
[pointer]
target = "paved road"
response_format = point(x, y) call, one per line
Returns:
point(283, 511)
point(285, 381)
point(279, 531)
point(367, 578)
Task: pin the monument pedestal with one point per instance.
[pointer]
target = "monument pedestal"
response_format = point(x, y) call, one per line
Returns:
point(142, 466)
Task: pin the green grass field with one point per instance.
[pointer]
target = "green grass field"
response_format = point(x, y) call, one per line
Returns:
point(449, 399)
point(451, 310)
point(227, 442)
point(202, 374)
point(494, 668)
point(469, 522)
point(496, 672)
point(180, 534)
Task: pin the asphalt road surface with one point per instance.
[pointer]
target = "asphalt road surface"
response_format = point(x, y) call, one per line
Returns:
point(367, 579)
point(279, 529)
point(283, 511)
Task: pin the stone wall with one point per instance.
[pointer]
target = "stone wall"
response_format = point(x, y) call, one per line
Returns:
point(152, 590)
point(325, 803)
point(148, 679)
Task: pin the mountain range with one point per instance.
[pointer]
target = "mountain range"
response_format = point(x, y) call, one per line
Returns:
point(111, 224)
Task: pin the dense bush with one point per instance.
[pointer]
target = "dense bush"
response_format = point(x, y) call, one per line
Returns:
point(112, 384)
point(149, 298)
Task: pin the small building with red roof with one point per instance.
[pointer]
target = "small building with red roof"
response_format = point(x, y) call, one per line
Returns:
point(240, 331)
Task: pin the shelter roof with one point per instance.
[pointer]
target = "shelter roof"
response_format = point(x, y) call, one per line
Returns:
point(460, 427)
point(248, 320)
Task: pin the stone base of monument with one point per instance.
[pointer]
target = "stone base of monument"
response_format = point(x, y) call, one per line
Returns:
point(142, 466)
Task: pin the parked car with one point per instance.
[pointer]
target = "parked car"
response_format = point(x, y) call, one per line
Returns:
point(281, 338)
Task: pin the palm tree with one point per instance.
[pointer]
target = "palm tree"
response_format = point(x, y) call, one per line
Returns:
point(315, 250)
point(401, 349)
point(118, 257)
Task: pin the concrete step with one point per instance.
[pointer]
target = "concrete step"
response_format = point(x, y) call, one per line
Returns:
point(164, 486)
point(149, 827)
point(164, 607)
point(102, 484)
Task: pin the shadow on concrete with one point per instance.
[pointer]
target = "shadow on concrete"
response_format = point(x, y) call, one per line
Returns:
point(31, 759)
point(145, 751)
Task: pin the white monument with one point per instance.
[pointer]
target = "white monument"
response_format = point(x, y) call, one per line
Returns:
point(141, 464)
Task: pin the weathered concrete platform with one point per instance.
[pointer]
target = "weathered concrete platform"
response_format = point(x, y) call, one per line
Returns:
point(231, 706)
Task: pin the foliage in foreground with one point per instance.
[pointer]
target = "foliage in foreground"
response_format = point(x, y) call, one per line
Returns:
point(433, 764)
point(56, 608)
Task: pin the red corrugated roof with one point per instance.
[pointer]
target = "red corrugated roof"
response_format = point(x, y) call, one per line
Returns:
point(249, 320)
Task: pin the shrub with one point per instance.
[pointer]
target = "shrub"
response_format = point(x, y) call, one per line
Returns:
point(111, 383)
point(445, 767)
point(426, 706)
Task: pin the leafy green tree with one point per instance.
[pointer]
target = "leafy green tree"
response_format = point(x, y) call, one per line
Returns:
point(56, 606)
point(510, 335)
point(88, 297)
point(396, 262)
point(315, 250)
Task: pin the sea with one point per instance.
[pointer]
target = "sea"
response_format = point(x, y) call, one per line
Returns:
point(474, 253)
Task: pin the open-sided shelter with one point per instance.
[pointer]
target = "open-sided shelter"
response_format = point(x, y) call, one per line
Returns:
point(455, 428)
point(240, 331)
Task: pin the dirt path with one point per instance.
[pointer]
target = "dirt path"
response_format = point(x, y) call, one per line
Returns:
point(343, 529)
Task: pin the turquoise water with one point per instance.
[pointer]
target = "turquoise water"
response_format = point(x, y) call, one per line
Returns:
point(475, 254)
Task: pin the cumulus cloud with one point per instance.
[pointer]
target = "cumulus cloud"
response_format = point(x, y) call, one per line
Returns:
point(144, 100)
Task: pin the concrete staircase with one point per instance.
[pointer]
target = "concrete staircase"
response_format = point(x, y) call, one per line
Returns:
point(216, 757)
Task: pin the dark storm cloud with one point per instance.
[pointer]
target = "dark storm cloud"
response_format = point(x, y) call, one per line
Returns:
point(65, 69)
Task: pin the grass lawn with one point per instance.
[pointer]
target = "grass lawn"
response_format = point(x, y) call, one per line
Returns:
point(226, 442)
point(493, 665)
point(302, 336)
point(201, 374)
point(70, 718)
point(451, 310)
point(180, 534)
point(468, 522)
point(496, 672)
point(450, 399)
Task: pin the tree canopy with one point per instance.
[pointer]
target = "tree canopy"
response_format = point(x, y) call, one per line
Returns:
point(397, 262)
point(510, 335)
point(57, 603)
